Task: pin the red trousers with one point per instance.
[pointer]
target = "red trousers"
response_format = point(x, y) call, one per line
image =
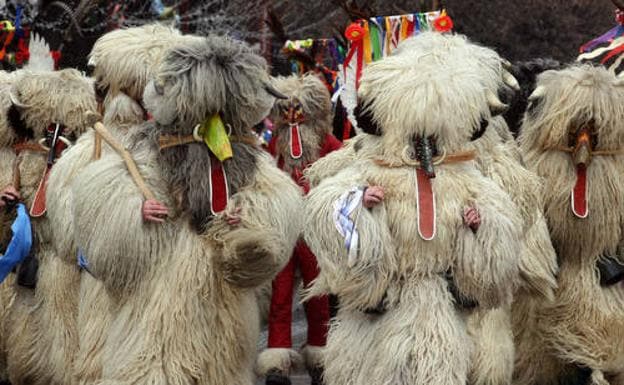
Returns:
point(316, 309)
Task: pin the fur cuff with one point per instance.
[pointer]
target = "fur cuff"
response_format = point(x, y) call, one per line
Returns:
point(313, 356)
point(285, 360)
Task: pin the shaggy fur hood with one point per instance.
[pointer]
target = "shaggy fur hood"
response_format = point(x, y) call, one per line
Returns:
point(310, 91)
point(197, 79)
point(124, 60)
point(42, 98)
point(310, 94)
point(207, 76)
point(567, 99)
point(451, 93)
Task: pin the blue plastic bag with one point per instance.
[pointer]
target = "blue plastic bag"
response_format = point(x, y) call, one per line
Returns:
point(20, 245)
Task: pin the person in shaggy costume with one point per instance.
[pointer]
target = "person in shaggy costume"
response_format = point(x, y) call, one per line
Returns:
point(122, 62)
point(410, 225)
point(302, 135)
point(186, 311)
point(8, 195)
point(495, 332)
point(49, 111)
point(497, 157)
point(573, 137)
point(8, 138)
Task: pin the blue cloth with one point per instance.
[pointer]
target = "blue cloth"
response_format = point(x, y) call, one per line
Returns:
point(18, 21)
point(82, 261)
point(20, 245)
point(158, 7)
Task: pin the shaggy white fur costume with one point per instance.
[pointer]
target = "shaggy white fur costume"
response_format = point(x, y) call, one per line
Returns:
point(421, 337)
point(7, 157)
point(585, 324)
point(497, 157)
point(186, 311)
point(40, 327)
point(123, 61)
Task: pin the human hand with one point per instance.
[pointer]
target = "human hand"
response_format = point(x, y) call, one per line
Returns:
point(373, 195)
point(154, 211)
point(9, 195)
point(472, 218)
point(233, 217)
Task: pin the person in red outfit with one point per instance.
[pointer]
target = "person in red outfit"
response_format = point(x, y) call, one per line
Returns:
point(302, 134)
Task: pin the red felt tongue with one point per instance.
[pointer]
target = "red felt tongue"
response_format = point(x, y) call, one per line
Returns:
point(218, 186)
point(295, 142)
point(425, 202)
point(39, 207)
point(579, 193)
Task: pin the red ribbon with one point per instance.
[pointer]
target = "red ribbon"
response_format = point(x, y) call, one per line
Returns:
point(56, 56)
point(425, 202)
point(218, 186)
point(355, 34)
point(296, 150)
point(410, 27)
point(579, 193)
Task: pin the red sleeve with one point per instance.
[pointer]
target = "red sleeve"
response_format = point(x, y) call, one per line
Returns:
point(330, 144)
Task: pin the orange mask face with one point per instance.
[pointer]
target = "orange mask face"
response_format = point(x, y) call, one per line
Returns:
point(293, 112)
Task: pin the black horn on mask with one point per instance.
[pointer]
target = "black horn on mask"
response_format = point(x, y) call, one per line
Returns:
point(424, 153)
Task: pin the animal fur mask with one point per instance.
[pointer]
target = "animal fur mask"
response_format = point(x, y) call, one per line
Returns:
point(208, 76)
point(310, 93)
point(306, 113)
point(574, 119)
point(43, 98)
point(565, 101)
point(440, 88)
point(198, 79)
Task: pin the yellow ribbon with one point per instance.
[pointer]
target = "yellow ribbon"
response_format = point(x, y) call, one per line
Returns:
point(368, 51)
point(7, 25)
point(388, 45)
point(404, 23)
point(212, 132)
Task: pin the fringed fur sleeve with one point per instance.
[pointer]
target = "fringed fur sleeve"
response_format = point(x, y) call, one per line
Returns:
point(271, 213)
point(360, 282)
point(487, 262)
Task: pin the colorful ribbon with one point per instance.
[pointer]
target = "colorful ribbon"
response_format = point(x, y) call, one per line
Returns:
point(607, 49)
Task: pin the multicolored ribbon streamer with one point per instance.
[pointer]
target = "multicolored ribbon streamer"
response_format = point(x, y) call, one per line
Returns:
point(327, 54)
point(607, 49)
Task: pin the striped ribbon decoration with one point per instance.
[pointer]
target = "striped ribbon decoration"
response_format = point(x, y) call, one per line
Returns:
point(607, 49)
